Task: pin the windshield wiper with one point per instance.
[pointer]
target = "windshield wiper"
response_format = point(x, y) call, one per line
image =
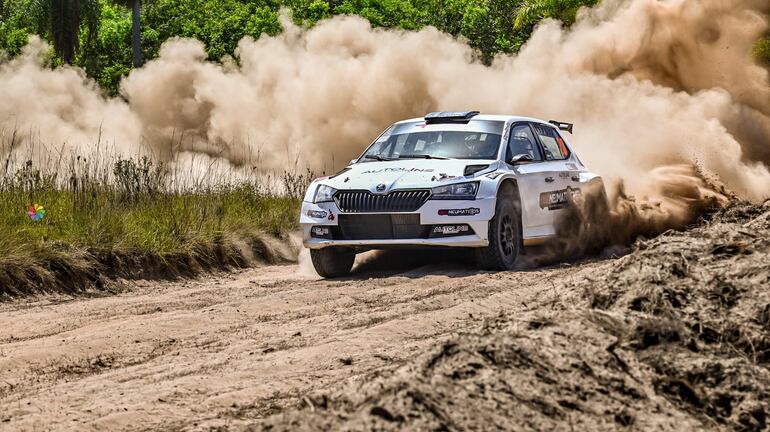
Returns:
point(421, 156)
point(378, 157)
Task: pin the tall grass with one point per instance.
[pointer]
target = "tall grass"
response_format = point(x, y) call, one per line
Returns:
point(135, 206)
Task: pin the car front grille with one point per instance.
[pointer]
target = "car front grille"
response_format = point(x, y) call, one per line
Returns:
point(381, 227)
point(367, 202)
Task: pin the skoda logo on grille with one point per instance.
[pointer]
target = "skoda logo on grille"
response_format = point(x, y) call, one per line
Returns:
point(380, 187)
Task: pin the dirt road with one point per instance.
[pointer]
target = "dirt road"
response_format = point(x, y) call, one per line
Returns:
point(675, 335)
point(229, 349)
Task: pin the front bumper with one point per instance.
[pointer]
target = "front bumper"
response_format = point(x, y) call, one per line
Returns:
point(459, 241)
point(432, 213)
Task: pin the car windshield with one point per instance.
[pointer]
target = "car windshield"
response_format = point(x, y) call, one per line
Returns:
point(438, 144)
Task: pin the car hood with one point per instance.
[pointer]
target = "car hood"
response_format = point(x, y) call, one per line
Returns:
point(382, 177)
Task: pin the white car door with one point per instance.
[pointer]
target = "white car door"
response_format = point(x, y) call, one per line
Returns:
point(558, 193)
point(536, 178)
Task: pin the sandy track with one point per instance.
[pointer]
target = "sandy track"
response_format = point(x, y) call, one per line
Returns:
point(225, 350)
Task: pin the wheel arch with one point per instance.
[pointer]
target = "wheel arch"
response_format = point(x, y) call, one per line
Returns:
point(595, 185)
point(510, 183)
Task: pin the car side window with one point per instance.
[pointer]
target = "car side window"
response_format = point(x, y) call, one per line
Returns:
point(554, 146)
point(522, 141)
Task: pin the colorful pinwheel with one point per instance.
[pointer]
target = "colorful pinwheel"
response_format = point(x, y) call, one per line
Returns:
point(36, 212)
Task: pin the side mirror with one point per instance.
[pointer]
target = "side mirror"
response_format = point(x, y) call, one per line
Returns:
point(520, 158)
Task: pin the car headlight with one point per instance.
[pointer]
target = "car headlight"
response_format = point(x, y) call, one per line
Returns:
point(324, 193)
point(456, 191)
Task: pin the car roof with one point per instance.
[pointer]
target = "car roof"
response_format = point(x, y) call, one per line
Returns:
point(489, 117)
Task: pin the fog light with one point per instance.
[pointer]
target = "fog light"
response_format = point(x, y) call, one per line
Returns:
point(320, 231)
point(317, 214)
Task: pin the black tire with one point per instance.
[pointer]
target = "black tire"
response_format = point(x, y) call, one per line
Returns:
point(504, 237)
point(332, 262)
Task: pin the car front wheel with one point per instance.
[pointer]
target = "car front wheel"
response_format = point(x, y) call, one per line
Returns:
point(332, 262)
point(504, 238)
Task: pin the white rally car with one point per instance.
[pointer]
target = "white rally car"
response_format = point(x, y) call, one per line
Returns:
point(495, 183)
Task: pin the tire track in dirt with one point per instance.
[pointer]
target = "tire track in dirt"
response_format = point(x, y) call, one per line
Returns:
point(228, 349)
point(673, 336)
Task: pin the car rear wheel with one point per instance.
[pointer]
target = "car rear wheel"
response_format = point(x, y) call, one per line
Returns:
point(332, 262)
point(504, 238)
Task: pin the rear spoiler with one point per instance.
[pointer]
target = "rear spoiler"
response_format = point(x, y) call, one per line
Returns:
point(562, 125)
point(450, 117)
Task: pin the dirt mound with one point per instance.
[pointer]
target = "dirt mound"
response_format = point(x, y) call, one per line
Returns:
point(673, 336)
point(70, 270)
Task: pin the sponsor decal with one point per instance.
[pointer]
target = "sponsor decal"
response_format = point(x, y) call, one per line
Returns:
point(320, 231)
point(555, 200)
point(450, 229)
point(382, 170)
point(472, 211)
point(563, 174)
point(318, 214)
point(331, 215)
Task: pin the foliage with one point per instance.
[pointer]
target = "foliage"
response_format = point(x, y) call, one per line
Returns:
point(488, 25)
point(107, 57)
point(309, 12)
point(489, 28)
point(62, 21)
point(14, 27)
point(130, 208)
point(295, 184)
point(385, 13)
point(530, 12)
point(218, 24)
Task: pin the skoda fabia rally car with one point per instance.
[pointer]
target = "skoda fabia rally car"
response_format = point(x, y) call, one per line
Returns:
point(451, 179)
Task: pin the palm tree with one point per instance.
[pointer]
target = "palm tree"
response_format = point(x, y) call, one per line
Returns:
point(136, 29)
point(530, 12)
point(61, 21)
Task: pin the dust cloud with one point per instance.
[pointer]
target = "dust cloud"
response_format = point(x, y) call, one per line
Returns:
point(663, 95)
point(47, 114)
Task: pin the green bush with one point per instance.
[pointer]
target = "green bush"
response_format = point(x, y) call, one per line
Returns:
point(220, 24)
point(491, 26)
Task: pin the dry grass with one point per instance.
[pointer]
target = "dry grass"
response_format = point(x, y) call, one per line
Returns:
point(133, 218)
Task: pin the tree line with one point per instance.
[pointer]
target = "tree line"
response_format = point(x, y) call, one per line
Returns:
point(109, 37)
